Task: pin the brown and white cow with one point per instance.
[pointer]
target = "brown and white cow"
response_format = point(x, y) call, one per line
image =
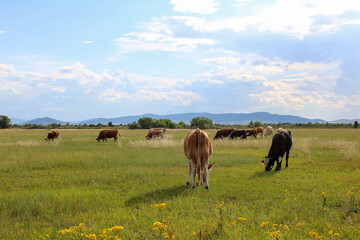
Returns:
point(223, 133)
point(268, 131)
point(198, 150)
point(105, 134)
point(259, 130)
point(53, 135)
point(155, 132)
point(251, 132)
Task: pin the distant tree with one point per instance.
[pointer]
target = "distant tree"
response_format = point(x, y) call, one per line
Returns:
point(133, 125)
point(356, 124)
point(257, 124)
point(201, 122)
point(110, 124)
point(4, 121)
point(250, 125)
point(145, 122)
point(181, 125)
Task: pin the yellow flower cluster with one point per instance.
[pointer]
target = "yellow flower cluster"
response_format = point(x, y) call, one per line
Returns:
point(160, 206)
point(83, 232)
point(221, 205)
point(264, 224)
point(81, 227)
point(166, 235)
point(324, 195)
point(314, 234)
point(169, 232)
point(241, 219)
point(113, 230)
point(333, 235)
point(352, 191)
point(276, 234)
point(159, 225)
point(300, 225)
point(276, 230)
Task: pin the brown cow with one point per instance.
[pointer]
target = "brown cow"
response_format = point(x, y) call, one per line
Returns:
point(52, 135)
point(223, 133)
point(155, 132)
point(251, 132)
point(105, 134)
point(259, 130)
point(198, 150)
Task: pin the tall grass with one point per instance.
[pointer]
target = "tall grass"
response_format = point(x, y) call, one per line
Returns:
point(84, 188)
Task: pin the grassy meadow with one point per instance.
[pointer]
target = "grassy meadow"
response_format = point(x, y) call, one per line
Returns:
point(79, 188)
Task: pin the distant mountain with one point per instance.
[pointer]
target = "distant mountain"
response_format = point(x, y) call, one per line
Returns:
point(345, 121)
point(17, 121)
point(44, 121)
point(222, 118)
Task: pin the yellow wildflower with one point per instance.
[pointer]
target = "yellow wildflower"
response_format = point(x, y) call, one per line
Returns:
point(222, 204)
point(161, 206)
point(233, 223)
point(242, 219)
point(300, 225)
point(324, 195)
point(194, 233)
point(264, 224)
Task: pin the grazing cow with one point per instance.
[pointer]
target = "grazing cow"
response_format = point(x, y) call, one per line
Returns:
point(155, 132)
point(251, 132)
point(161, 129)
point(281, 144)
point(238, 133)
point(280, 129)
point(198, 150)
point(105, 134)
point(223, 133)
point(268, 131)
point(52, 135)
point(259, 130)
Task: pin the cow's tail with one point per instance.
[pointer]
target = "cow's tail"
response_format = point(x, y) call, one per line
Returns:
point(198, 154)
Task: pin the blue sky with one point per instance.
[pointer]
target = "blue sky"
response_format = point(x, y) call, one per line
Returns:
point(80, 59)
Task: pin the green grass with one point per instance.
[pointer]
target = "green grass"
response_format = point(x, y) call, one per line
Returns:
point(46, 187)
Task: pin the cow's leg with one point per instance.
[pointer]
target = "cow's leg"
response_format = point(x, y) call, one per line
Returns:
point(287, 158)
point(193, 170)
point(278, 163)
point(205, 174)
point(198, 172)
point(190, 171)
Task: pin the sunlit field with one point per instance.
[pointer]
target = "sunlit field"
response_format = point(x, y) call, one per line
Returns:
point(79, 188)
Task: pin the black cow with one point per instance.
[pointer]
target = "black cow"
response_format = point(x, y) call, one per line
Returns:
point(281, 144)
point(238, 133)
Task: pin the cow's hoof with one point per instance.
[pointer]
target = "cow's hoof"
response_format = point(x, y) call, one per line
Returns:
point(207, 188)
point(193, 186)
point(187, 184)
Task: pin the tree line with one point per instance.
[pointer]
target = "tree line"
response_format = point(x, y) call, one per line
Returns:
point(197, 122)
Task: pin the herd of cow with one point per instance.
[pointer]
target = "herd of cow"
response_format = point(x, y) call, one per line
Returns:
point(198, 148)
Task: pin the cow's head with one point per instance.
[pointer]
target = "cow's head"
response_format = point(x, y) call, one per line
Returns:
point(98, 139)
point(268, 162)
point(147, 137)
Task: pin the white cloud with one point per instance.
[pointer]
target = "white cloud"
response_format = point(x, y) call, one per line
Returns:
point(79, 81)
point(157, 36)
point(197, 6)
point(2, 32)
point(174, 96)
point(294, 18)
point(88, 42)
